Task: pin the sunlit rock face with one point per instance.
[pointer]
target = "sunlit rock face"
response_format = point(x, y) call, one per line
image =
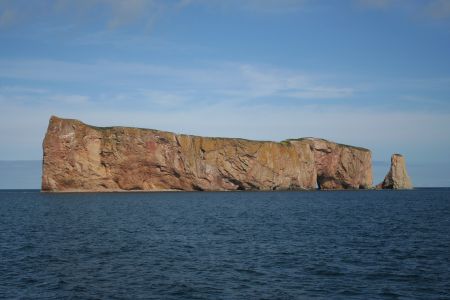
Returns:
point(79, 157)
point(341, 166)
point(397, 178)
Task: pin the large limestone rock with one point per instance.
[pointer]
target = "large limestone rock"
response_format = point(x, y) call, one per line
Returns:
point(341, 166)
point(397, 178)
point(79, 157)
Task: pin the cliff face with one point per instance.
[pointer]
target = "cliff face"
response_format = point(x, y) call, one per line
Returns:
point(341, 166)
point(79, 157)
point(397, 177)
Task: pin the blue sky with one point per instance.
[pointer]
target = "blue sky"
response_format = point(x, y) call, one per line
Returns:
point(373, 73)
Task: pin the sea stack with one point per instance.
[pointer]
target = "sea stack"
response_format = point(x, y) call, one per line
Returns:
point(83, 158)
point(397, 177)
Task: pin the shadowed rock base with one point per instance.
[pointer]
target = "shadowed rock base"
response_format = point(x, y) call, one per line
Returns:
point(397, 178)
point(79, 157)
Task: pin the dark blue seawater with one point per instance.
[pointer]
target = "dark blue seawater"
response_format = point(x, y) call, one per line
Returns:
point(276, 245)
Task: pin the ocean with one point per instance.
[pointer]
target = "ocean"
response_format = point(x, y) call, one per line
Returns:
point(230, 245)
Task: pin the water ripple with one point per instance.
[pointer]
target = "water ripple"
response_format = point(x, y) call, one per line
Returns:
point(278, 245)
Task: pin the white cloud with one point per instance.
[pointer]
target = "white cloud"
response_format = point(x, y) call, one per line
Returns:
point(113, 14)
point(7, 17)
point(213, 99)
point(218, 81)
point(322, 92)
point(432, 9)
point(164, 98)
point(415, 134)
point(439, 9)
point(259, 6)
point(69, 99)
point(120, 13)
point(35, 97)
point(376, 3)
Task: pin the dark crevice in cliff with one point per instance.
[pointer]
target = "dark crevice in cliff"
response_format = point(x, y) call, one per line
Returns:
point(197, 188)
point(240, 185)
point(319, 187)
point(326, 183)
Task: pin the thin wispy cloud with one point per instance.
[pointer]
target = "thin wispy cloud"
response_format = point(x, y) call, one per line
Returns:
point(375, 3)
point(255, 6)
point(380, 130)
point(118, 13)
point(432, 9)
point(214, 98)
point(7, 17)
point(439, 9)
point(373, 73)
point(218, 81)
point(143, 14)
point(22, 96)
point(110, 13)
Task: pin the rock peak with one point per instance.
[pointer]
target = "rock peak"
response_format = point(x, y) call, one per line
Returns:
point(397, 177)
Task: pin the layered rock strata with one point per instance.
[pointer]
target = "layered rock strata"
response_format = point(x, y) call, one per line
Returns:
point(397, 178)
point(79, 157)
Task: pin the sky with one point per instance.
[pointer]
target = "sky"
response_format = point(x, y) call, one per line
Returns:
point(371, 73)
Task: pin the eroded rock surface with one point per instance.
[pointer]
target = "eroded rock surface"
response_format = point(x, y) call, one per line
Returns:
point(397, 177)
point(341, 166)
point(79, 157)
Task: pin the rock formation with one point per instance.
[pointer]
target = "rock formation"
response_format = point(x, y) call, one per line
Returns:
point(79, 157)
point(397, 178)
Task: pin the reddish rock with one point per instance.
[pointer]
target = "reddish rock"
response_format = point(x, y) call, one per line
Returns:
point(397, 177)
point(341, 166)
point(79, 157)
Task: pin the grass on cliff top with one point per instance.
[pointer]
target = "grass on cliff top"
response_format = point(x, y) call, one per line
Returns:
point(227, 138)
point(121, 127)
point(100, 128)
point(339, 144)
point(284, 142)
point(182, 134)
